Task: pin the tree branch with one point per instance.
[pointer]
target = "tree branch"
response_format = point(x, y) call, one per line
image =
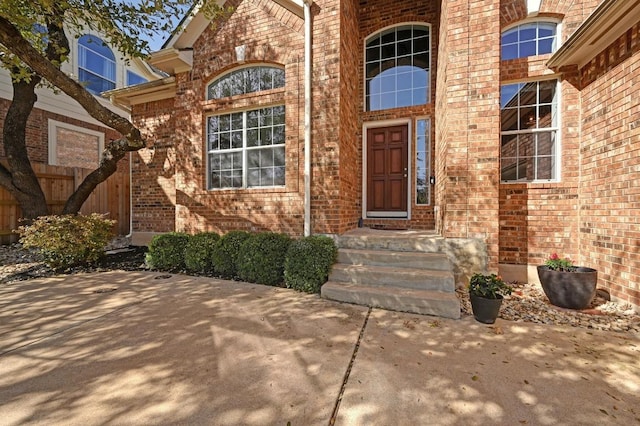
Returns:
point(10, 36)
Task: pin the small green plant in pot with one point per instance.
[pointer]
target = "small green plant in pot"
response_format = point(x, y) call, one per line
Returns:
point(486, 293)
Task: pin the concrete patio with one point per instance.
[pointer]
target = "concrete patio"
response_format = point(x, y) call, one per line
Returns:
point(152, 348)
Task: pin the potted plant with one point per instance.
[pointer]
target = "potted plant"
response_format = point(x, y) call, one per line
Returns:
point(486, 293)
point(567, 285)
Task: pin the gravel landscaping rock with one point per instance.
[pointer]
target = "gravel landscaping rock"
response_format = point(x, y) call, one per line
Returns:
point(528, 303)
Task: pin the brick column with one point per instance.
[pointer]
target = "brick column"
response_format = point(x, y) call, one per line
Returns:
point(468, 122)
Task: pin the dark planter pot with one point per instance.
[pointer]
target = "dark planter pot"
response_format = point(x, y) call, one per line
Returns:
point(485, 310)
point(573, 290)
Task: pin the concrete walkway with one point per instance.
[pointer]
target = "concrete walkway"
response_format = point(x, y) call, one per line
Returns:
point(150, 348)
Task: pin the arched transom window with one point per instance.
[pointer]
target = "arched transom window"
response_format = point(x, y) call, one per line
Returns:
point(397, 62)
point(96, 64)
point(529, 39)
point(246, 80)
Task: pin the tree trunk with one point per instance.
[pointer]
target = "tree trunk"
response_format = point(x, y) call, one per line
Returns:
point(19, 178)
point(44, 67)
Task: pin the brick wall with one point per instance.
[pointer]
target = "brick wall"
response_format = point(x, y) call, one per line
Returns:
point(153, 191)
point(271, 35)
point(591, 214)
point(38, 133)
point(468, 122)
point(609, 194)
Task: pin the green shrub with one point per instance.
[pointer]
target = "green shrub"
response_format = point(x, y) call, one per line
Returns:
point(261, 258)
point(198, 252)
point(166, 251)
point(225, 253)
point(68, 240)
point(309, 262)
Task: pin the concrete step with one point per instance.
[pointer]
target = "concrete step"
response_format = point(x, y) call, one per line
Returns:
point(397, 259)
point(424, 302)
point(423, 242)
point(418, 279)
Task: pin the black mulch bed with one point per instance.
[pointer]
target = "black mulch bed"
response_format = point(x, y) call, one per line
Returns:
point(128, 259)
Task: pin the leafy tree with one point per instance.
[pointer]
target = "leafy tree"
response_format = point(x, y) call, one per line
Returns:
point(34, 43)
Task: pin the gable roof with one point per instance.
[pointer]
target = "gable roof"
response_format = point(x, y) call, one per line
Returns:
point(176, 54)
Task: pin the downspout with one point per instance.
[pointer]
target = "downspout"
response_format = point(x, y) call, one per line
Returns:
point(307, 116)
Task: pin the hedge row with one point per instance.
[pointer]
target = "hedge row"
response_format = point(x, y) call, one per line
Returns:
point(264, 258)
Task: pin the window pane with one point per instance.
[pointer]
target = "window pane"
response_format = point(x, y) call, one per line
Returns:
point(545, 168)
point(278, 176)
point(253, 138)
point(545, 46)
point(546, 143)
point(509, 51)
point(133, 78)
point(526, 145)
point(278, 156)
point(527, 118)
point(509, 146)
point(510, 36)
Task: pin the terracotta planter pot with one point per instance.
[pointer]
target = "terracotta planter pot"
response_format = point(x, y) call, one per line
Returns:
point(485, 310)
point(573, 290)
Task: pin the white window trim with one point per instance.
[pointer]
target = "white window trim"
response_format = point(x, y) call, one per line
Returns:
point(53, 138)
point(386, 123)
point(558, 129)
point(364, 62)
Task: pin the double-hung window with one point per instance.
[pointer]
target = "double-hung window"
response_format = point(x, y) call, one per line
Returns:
point(246, 149)
point(529, 128)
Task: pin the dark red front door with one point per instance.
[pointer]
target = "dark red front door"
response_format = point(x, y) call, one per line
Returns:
point(387, 171)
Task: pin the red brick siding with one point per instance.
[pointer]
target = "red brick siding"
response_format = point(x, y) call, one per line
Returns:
point(468, 122)
point(350, 102)
point(153, 191)
point(271, 35)
point(609, 194)
point(38, 133)
point(538, 219)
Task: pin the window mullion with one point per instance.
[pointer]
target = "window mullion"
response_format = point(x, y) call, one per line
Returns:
point(245, 162)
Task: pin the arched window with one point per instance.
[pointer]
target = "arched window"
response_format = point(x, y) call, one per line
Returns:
point(529, 39)
point(246, 80)
point(96, 64)
point(397, 63)
point(246, 149)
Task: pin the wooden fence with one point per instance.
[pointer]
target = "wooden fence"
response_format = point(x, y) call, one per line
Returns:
point(58, 183)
